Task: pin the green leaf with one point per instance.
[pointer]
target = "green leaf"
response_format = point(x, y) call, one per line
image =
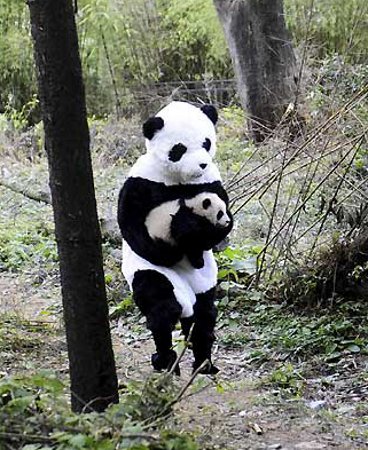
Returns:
point(353, 348)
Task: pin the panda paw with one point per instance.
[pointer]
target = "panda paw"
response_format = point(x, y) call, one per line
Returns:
point(165, 362)
point(197, 263)
point(208, 369)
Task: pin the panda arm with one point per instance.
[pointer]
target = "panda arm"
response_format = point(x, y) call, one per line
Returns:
point(135, 201)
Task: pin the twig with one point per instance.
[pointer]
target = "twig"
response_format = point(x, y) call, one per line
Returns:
point(332, 200)
point(27, 437)
point(191, 379)
point(302, 205)
point(273, 214)
point(323, 127)
point(181, 354)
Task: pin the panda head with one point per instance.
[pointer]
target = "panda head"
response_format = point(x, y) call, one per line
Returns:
point(211, 207)
point(182, 139)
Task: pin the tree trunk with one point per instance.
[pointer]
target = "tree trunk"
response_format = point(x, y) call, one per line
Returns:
point(91, 359)
point(263, 58)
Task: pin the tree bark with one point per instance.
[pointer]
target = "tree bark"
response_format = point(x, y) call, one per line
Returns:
point(61, 91)
point(263, 58)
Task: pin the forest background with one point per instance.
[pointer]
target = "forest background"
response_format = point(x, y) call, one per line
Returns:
point(292, 329)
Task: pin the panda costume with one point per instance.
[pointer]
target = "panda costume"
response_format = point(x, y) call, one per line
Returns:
point(178, 166)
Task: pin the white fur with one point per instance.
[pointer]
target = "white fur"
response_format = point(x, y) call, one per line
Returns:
point(149, 168)
point(188, 125)
point(158, 221)
point(186, 280)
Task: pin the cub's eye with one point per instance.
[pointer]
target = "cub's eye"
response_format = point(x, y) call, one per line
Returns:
point(207, 144)
point(206, 203)
point(177, 152)
point(219, 215)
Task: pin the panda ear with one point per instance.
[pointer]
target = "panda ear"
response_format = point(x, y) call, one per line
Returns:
point(152, 125)
point(206, 203)
point(210, 112)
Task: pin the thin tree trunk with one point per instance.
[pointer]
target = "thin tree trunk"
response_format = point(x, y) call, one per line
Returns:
point(263, 58)
point(91, 360)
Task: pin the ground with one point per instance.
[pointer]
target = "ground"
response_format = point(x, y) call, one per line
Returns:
point(239, 410)
point(291, 378)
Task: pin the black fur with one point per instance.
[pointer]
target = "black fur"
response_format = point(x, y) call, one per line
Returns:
point(186, 325)
point(154, 295)
point(203, 336)
point(194, 233)
point(165, 362)
point(152, 125)
point(219, 215)
point(206, 203)
point(177, 152)
point(210, 112)
point(207, 144)
point(195, 258)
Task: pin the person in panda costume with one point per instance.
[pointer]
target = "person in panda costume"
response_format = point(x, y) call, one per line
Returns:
point(165, 214)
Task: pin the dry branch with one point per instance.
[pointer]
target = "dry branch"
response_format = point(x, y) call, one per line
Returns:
point(109, 227)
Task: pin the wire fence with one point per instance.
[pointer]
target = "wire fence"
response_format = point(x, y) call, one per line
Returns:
point(149, 98)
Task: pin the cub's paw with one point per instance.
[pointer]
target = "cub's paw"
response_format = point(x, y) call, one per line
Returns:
point(162, 362)
point(196, 260)
point(208, 369)
point(197, 263)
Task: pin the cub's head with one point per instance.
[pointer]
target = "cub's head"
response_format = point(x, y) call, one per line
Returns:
point(211, 207)
point(182, 138)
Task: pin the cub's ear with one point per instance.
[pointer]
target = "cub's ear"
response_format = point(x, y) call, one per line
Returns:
point(152, 125)
point(210, 112)
point(206, 203)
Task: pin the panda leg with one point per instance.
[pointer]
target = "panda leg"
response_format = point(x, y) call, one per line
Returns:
point(203, 337)
point(186, 326)
point(154, 295)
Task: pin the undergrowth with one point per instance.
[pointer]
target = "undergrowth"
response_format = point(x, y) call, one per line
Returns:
point(276, 332)
point(19, 336)
point(32, 244)
point(35, 414)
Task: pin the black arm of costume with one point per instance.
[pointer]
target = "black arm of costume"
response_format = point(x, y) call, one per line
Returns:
point(135, 201)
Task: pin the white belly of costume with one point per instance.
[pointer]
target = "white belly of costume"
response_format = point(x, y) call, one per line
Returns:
point(186, 280)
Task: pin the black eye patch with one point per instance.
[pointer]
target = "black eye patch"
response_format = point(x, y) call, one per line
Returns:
point(207, 144)
point(206, 203)
point(177, 152)
point(219, 215)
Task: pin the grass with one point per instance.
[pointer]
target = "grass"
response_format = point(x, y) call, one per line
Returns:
point(274, 332)
point(17, 335)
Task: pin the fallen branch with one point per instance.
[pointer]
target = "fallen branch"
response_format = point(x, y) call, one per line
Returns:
point(109, 227)
point(41, 196)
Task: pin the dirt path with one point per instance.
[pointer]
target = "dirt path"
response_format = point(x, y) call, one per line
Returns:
point(237, 411)
point(20, 299)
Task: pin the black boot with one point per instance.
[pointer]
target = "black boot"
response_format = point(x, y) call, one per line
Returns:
point(165, 362)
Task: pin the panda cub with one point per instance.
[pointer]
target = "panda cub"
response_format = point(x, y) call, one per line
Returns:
point(205, 205)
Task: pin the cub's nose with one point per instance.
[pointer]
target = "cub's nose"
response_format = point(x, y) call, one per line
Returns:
point(203, 166)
